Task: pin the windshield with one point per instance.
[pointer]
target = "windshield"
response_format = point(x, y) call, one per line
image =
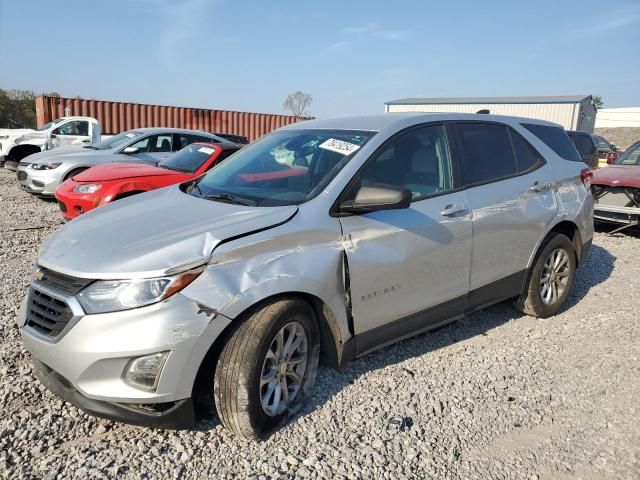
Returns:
point(49, 125)
point(189, 159)
point(282, 168)
point(117, 140)
point(630, 157)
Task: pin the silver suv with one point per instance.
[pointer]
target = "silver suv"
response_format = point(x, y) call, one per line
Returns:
point(324, 239)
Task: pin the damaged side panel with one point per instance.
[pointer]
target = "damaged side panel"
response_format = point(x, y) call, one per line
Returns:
point(291, 258)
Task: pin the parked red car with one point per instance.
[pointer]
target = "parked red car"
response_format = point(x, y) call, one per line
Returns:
point(105, 183)
point(616, 190)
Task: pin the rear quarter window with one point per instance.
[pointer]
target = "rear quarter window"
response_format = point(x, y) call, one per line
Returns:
point(556, 139)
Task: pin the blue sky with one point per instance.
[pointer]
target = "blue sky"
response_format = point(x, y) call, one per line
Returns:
point(350, 55)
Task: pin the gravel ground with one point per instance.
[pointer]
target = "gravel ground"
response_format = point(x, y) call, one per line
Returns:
point(498, 395)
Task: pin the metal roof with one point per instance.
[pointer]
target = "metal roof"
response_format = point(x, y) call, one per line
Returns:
point(378, 122)
point(488, 100)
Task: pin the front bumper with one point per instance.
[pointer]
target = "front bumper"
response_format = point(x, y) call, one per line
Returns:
point(92, 351)
point(74, 204)
point(42, 182)
point(174, 415)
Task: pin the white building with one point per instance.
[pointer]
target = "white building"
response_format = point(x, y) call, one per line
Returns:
point(618, 117)
point(573, 112)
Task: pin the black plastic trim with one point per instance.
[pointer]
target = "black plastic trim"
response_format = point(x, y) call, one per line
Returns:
point(180, 415)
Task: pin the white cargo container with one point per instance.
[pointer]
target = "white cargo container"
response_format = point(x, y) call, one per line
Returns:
point(573, 112)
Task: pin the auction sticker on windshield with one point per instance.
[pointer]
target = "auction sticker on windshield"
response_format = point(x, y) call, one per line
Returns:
point(339, 146)
point(206, 150)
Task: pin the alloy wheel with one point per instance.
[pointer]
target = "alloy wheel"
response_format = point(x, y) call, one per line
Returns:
point(283, 369)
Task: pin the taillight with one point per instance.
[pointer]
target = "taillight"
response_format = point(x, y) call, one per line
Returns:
point(586, 175)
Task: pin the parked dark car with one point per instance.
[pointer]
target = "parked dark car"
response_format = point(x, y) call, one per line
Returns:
point(586, 146)
point(606, 150)
point(234, 138)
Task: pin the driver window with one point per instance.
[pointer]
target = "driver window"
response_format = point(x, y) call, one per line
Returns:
point(419, 160)
point(161, 143)
point(76, 127)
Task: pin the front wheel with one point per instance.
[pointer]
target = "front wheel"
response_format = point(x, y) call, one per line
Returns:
point(267, 368)
point(550, 279)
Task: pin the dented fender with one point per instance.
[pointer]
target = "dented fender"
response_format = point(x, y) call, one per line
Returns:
point(287, 259)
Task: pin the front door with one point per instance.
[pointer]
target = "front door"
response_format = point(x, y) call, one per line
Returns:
point(74, 132)
point(404, 262)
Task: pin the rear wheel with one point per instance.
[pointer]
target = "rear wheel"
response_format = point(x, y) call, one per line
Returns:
point(550, 279)
point(267, 368)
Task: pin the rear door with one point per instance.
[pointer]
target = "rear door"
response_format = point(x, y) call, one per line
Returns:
point(509, 187)
point(404, 262)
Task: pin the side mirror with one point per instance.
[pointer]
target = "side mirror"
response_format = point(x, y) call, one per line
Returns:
point(377, 197)
point(130, 150)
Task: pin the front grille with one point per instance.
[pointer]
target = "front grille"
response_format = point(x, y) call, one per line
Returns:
point(22, 175)
point(47, 314)
point(59, 282)
point(63, 207)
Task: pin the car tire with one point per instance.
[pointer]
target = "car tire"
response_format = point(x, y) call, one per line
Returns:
point(550, 278)
point(248, 388)
point(73, 173)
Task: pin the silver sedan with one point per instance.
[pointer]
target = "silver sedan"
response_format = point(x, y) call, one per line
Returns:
point(41, 173)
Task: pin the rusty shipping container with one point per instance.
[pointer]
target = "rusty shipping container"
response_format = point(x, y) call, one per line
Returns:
point(116, 117)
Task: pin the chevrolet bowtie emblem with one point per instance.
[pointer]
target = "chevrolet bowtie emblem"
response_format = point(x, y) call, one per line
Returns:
point(38, 275)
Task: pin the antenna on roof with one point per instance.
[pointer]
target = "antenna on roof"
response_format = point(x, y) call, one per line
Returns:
point(484, 111)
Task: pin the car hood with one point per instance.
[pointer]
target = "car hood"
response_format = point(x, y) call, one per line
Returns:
point(14, 132)
point(117, 171)
point(618, 176)
point(152, 234)
point(66, 153)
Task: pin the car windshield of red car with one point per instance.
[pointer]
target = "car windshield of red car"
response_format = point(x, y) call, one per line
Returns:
point(631, 156)
point(189, 159)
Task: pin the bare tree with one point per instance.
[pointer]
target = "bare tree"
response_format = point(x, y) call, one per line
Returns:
point(298, 103)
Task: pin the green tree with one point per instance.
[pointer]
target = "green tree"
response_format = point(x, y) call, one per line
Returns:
point(597, 101)
point(17, 109)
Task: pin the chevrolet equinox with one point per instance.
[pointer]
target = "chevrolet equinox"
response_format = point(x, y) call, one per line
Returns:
point(325, 239)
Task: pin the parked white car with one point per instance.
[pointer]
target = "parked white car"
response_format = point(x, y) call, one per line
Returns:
point(15, 144)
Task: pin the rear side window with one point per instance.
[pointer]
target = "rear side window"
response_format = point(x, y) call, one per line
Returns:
point(556, 139)
point(584, 144)
point(526, 156)
point(488, 154)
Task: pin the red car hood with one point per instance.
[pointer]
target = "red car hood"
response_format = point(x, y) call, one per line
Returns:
point(618, 176)
point(103, 173)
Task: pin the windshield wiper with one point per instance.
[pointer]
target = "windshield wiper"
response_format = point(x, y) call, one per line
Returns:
point(226, 197)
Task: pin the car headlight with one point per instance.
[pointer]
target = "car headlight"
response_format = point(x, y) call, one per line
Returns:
point(114, 295)
point(46, 166)
point(87, 188)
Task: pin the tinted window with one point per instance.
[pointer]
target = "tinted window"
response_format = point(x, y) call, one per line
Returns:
point(182, 140)
point(526, 156)
point(418, 160)
point(161, 143)
point(584, 144)
point(488, 154)
point(556, 139)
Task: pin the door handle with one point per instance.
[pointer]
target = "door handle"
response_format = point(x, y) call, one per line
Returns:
point(453, 210)
point(540, 187)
